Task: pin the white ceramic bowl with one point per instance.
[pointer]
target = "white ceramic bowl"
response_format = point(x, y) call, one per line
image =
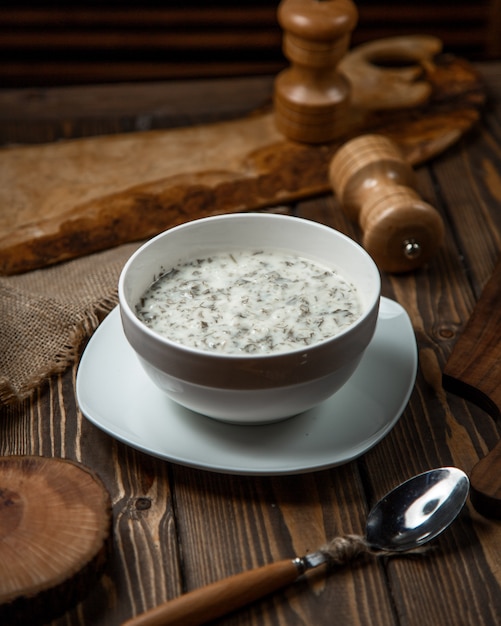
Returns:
point(250, 389)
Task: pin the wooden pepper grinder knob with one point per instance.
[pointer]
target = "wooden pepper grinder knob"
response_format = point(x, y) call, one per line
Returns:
point(376, 187)
point(311, 97)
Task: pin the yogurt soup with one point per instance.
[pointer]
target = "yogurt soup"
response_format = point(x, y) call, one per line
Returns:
point(249, 302)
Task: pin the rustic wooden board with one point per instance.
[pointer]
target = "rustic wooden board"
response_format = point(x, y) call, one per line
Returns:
point(61, 201)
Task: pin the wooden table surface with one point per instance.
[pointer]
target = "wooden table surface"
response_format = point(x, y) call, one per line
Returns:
point(176, 528)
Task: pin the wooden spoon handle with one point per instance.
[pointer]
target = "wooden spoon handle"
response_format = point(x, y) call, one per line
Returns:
point(219, 598)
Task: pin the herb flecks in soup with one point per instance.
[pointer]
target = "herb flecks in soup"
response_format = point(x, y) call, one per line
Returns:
point(249, 302)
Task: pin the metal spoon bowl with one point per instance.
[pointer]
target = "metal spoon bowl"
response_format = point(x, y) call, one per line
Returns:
point(407, 517)
point(418, 510)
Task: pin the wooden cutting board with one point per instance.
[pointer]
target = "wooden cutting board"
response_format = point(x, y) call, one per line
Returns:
point(473, 371)
point(62, 200)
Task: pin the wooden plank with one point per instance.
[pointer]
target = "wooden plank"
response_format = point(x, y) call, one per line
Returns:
point(136, 17)
point(110, 39)
point(44, 73)
point(251, 521)
point(137, 106)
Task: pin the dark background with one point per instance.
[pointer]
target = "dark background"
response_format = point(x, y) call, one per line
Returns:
point(61, 43)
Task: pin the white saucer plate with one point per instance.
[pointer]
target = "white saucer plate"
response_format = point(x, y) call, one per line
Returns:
point(115, 394)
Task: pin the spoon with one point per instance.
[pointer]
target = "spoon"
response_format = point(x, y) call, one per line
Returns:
point(405, 519)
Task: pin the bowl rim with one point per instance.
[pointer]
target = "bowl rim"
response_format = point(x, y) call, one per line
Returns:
point(128, 310)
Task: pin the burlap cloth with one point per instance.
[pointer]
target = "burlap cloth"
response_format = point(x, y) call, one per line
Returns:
point(47, 315)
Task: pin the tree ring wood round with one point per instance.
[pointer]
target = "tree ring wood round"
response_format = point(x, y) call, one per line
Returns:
point(55, 522)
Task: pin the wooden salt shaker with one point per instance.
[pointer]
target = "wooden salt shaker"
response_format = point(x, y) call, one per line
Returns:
point(376, 187)
point(311, 97)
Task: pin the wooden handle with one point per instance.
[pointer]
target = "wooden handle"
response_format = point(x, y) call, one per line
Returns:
point(311, 98)
point(473, 371)
point(376, 187)
point(485, 481)
point(399, 82)
point(219, 598)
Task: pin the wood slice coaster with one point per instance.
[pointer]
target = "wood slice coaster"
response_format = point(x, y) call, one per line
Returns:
point(64, 200)
point(55, 522)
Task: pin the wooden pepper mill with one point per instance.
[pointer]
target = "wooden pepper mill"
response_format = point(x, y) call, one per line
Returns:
point(376, 187)
point(311, 97)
